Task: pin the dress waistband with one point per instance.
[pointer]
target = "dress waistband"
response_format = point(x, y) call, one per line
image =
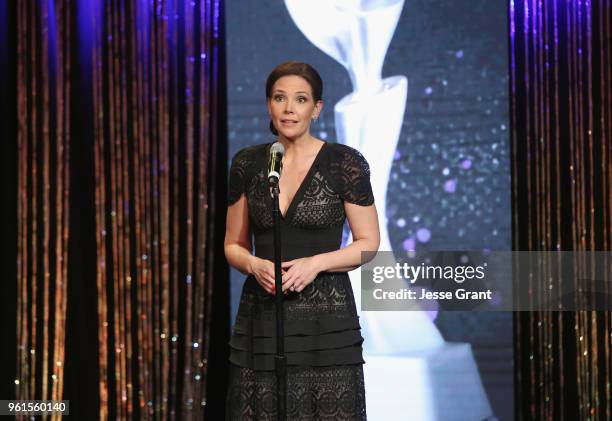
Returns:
point(297, 242)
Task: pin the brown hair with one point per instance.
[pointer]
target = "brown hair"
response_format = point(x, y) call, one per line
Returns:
point(295, 68)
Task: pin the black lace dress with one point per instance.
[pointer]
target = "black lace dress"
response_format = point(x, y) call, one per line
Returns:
point(323, 341)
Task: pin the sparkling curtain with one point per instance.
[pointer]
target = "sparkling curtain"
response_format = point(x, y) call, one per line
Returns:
point(561, 81)
point(43, 142)
point(149, 69)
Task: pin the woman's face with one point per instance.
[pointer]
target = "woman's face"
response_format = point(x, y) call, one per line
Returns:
point(292, 106)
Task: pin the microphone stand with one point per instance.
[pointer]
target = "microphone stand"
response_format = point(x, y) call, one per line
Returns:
point(280, 361)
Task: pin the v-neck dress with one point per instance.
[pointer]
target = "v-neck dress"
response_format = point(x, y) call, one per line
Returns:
point(323, 342)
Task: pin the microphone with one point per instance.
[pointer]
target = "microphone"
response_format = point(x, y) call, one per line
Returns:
point(275, 165)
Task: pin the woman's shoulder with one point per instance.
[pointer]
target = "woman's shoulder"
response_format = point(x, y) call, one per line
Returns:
point(346, 155)
point(350, 173)
point(252, 151)
point(244, 167)
point(342, 149)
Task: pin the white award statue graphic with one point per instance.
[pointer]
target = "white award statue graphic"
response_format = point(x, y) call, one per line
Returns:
point(411, 372)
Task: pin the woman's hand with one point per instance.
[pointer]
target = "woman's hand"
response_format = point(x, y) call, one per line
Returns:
point(299, 273)
point(263, 270)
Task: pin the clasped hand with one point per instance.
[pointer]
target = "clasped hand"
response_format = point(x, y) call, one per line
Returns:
point(296, 274)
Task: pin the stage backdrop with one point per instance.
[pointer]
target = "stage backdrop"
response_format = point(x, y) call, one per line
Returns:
point(446, 169)
point(115, 144)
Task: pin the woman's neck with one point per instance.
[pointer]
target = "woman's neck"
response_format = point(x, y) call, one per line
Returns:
point(301, 146)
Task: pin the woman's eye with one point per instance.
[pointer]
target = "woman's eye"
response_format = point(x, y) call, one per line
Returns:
point(301, 99)
point(278, 98)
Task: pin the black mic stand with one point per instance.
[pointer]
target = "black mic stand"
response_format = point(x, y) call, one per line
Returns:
point(280, 361)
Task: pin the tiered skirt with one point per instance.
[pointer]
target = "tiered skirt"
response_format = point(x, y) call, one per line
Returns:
point(321, 326)
point(323, 346)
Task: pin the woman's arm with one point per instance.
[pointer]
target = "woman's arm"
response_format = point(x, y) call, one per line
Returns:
point(363, 221)
point(237, 243)
point(238, 247)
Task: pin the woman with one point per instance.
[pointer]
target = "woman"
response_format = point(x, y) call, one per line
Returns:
point(322, 184)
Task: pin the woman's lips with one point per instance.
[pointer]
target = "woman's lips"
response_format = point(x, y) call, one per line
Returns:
point(288, 122)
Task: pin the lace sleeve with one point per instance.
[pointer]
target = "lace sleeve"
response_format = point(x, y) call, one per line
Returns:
point(354, 173)
point(237, 177)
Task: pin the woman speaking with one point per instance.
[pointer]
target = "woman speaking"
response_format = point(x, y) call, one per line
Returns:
point(322, 185)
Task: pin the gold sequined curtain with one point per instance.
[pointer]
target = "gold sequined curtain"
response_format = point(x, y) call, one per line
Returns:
point(148, 71)
point(43, 174)
point(561, 82)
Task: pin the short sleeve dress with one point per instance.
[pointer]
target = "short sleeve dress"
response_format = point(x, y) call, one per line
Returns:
point(323, 342)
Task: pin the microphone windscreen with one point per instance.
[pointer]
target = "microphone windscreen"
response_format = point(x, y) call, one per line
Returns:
point(278, 148)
